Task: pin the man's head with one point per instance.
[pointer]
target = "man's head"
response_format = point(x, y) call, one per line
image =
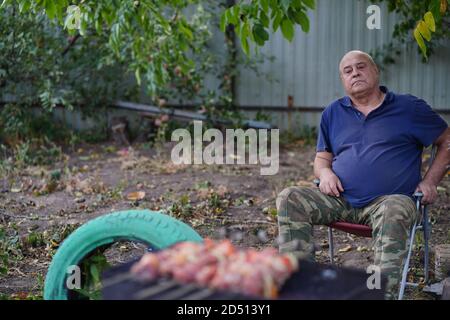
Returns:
point(359, 73)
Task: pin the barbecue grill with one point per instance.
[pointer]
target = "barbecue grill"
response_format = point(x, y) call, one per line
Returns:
point(312, 281)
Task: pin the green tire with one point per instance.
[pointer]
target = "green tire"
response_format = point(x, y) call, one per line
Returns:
point(150, 227)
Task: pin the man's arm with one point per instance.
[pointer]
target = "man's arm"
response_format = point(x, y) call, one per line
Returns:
point(329, 182)
point(436, 172)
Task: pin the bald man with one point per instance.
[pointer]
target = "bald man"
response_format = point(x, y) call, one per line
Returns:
point(368, 161)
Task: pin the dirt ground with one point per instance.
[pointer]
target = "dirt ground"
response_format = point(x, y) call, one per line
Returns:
point(40, 206)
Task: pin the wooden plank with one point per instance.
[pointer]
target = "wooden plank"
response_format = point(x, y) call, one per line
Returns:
point(442, 261)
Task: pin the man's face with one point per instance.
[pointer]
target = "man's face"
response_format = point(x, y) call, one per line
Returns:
point(358, 74)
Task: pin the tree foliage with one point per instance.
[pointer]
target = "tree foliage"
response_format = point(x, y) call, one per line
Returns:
point(253, 20)
point(426, 22)
point(91, 62)
point(159, 38)
point(36, 69)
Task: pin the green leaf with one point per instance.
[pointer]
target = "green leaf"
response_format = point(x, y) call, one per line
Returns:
point(429, 20)
point(137, 74)
point(265, 6)
point(236, 13)
point(310, 3)
point(263, 19)
point(59, 13)
point(435, 9)
point(107, 16)
point(424, 31)
point(277, 21)
point(285, 4)
point(297, 4)
point(245, 47)
point(420, 42)
point(24, 6)
point(4, 3)
point(50, 9)
point(245, 30)
point(232, 16)
point(223, 22)
point(98, 25)
point(302, 19)
point(287, 28)
point(83, 27)
point(260, 34)
point(273, 4)
point(95, 273)
point(186, 31)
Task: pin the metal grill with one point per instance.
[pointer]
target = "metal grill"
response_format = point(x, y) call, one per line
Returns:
point(312, 281)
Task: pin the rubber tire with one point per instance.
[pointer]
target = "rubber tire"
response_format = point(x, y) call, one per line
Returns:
point(151, 227)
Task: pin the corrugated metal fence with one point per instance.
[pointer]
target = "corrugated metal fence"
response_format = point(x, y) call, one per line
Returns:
point(307, 68)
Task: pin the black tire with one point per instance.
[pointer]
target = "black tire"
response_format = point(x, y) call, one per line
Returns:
point(153, 228)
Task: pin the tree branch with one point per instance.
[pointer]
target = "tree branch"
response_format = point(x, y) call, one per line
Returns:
point(70, 45)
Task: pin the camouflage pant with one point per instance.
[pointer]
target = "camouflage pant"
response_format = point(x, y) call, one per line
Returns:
point(391, 218)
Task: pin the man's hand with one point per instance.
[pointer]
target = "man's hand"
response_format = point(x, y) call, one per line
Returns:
point(330, 183)
point(429, 184)
point(429, 191)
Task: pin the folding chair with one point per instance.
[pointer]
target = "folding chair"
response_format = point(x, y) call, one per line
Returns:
point(423, 224)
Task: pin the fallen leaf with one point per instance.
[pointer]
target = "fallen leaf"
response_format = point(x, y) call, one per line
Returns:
point(362, 249)
point(20, 295)
point(123, 152)
point(36, 171)
point(305, 183)
point(80, 200)
point(203, 194)
point(324, 245)
point(273, 212)
point(16, 190)
point(222, 190)
point(48, 187)
point(54, 244)
point(345, 249)
point(135, 196)
point(127, 165)
point(110, 149)
point(27, 184)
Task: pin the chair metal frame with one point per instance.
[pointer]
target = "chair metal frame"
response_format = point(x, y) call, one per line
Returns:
point(422, 224)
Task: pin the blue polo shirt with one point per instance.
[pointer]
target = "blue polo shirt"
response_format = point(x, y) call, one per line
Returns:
point(379, 154)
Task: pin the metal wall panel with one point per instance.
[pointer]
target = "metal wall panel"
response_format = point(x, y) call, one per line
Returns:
point(307, 68)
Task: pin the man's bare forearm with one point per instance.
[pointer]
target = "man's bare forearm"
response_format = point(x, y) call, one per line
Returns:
point(321, 164)
point(440, 165)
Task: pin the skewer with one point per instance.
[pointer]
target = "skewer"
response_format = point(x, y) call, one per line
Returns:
point(160, 287)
